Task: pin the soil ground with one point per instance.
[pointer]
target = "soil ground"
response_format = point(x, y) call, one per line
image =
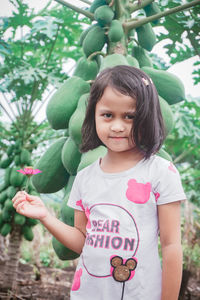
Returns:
point(51, 284)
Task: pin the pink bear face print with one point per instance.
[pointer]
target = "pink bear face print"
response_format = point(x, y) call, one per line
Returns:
point(172, 168)
point(77, 280)
point(138, 192)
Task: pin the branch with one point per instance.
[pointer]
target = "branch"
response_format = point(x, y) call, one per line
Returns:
point(138, 5)
point(134, 24)
point(7, 113)
point(43, 102)
point(77, 9)
point(9, 104)
point(86, 1)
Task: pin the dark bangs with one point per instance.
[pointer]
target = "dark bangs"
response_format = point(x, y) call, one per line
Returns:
point(148, 131)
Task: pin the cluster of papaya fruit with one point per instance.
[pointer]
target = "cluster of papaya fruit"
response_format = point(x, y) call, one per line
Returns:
point(66, 109)
point(17, 157)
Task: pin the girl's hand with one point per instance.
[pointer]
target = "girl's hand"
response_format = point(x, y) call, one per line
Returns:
point(29, 206)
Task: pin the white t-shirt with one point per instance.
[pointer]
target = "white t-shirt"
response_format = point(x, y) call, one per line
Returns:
point(120, 257)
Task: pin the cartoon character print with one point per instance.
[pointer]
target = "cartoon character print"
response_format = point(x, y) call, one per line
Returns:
point(138, 192)
point(77, 280)
point(122, 271)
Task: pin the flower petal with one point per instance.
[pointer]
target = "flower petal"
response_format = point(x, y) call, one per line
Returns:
point(21, 171)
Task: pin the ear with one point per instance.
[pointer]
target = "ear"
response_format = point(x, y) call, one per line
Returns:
point(116, 261)
point(131, 263)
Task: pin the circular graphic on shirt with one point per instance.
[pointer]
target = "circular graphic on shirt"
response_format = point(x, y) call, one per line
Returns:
point(111, 231)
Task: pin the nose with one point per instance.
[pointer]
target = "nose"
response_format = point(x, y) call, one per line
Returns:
point(117, 126)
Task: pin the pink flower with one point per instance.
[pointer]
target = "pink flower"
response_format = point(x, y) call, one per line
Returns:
point(29, 171)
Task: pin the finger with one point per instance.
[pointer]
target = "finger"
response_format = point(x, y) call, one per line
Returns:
point(18, 201)
point(21, 208)
point(16, 198)
point(19, 194)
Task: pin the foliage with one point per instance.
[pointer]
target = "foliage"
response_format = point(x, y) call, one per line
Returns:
point(182, 31)
point(184, 143)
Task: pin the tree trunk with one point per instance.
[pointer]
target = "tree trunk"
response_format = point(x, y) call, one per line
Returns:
point(11, 267)
point(3, 255)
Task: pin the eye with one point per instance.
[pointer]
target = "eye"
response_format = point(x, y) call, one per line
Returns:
point(107, 116)
point(129, 117)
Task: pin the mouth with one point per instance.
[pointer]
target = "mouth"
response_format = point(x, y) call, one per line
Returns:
point(118, 137)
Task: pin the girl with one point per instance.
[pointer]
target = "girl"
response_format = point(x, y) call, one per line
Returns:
point(123, 200)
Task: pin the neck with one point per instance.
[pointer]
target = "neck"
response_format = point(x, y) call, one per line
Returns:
point(120, 161)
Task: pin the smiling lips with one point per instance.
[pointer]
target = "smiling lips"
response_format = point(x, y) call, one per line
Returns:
point(118, 137)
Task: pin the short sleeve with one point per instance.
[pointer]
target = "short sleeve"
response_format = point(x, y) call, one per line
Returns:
point(75, 200)
point(168, 187)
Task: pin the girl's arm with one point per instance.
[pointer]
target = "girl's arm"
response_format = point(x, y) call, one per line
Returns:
point(70, 237)
point(33, 207)
point(170, 237)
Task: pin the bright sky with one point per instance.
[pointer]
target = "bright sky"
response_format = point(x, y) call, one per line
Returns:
point(182, 70)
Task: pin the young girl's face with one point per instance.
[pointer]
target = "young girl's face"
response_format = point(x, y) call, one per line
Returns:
point(114, 117)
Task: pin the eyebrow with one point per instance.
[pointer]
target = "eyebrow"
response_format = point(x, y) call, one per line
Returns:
point(104, 110)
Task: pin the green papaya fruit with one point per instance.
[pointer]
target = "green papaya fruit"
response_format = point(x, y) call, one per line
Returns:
point(6, 229)
point(54, 176)
point(19, 219)
point(91, 156)
point(115, 32)
point(142, 57)
point(6, 214)
point(63, 103)
point(7, 176)
point(27, 232)
point(16, 178)
point(3, 197)
point(167, 84)
point(3, 186)
point(76, 120)
point(162, 153)
point(62, 252)
point(113, 60)
point(85, 32)
point(94, 41)
point(9, 205)
point(10, 150)
point(17, 160)
point(132, 61)
point(71, 156)
point(1, 219)
point(146, 36)
point(104, 15)
point(152, 9)
point(6, 163)
point(67, 213)
point(25, 157)
point(86, 69)
point(95, 4)
point(69, 186)
point(167, 115)
point(11, 192)
point(31, 222)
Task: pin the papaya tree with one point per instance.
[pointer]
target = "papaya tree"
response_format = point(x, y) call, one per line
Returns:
point(120, 33)
point(31, 64)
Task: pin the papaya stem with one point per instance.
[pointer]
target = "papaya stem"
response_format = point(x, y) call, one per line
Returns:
point(77, 9)
point(95, 54)
point(138, 5)
point(9, 104)
point(111, 3)
point(119, 9)
point(135, 24)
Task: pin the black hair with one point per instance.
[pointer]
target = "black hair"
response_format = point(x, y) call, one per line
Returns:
point(148, 131)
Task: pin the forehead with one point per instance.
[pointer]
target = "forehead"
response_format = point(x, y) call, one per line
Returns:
point(113, 99)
